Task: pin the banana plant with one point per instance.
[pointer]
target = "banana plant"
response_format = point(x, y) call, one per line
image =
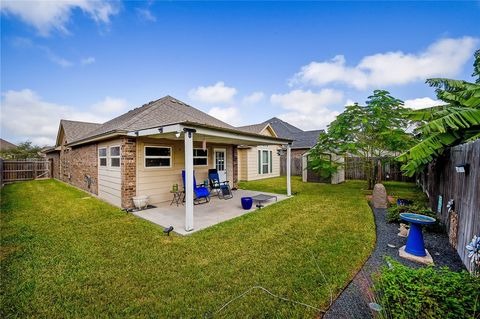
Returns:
point(443, 126)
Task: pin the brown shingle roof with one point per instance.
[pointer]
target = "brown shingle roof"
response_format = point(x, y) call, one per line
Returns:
point(255, 128)
point(5, 145)
point(164, 111)
point(75, 130)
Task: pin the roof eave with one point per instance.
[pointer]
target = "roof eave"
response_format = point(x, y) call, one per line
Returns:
point(99, 137)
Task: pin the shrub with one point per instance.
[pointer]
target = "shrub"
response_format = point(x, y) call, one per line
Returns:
point(427, 292)
point(394, 211)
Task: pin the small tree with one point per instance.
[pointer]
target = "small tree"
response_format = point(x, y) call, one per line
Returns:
point(24, 150)
point(373, 130)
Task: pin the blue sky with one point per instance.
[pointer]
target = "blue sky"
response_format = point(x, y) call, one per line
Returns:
point(243, 62)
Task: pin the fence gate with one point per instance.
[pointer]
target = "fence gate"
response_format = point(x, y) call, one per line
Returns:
point(12, 171)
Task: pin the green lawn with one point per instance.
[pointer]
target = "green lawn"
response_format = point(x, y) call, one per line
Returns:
point(65, 254)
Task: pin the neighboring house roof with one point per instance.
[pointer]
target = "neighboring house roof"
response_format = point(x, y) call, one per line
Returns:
point(302, 139)
point(162, 112)
point(305, 139)
point(5, 145)
point(255, 128)
point(282, 128)
point(75, 130)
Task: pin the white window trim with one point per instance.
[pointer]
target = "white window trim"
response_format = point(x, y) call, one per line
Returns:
point(110, 157)
point(157, 167)
point(267, 163)
point(199, 148)
point(105, 157)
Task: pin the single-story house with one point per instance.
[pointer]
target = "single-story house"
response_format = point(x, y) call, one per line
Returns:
point(144, 151)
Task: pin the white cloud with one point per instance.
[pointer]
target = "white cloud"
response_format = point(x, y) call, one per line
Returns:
point(308, 110)
point(253, 98)
point(230, 115)
point(213, 94)
point(110, 105)
point(25, 115)
point(421, 103)
point(46, 16)
point(88, 60)
point(445, 57)
point(146, 15)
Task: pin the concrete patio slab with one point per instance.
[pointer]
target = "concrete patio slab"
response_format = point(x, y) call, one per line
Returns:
point(205, 215)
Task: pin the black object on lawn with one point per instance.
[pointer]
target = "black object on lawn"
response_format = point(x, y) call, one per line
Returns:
point(168, 230)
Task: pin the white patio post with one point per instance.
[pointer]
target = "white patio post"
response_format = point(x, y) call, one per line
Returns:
point(189, 179)
point(289, 170)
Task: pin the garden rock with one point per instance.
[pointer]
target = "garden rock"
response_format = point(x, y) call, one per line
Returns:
point(379, 198)
point(403, 230)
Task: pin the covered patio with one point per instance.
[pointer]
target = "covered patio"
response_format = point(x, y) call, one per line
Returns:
point(183, 217)
point(206, 215)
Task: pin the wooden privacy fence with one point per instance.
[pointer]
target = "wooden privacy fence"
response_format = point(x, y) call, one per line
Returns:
point(442, 179)
point(354, 169)
point(16, 170)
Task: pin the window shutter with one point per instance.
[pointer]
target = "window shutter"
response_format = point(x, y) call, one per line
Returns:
point(271, 169)
point(259, 162)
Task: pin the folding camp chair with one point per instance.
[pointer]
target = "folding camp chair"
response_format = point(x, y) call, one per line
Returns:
point(200, 191)
point(222, 189)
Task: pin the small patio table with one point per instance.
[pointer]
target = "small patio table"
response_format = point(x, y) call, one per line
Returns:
point(177, 197)
point(263, 198)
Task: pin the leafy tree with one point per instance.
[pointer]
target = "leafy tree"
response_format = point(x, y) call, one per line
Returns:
point(373, 130)
point(456, 122)
point(24, 150)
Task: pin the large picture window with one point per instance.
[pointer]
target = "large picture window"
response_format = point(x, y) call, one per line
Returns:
point(158, 156)
point(200, 157)
point(102, 156)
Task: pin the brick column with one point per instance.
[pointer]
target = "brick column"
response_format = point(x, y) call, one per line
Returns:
point(129, 171)
point(235, 166)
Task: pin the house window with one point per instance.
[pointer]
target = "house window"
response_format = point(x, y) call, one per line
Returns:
point(115, 156)
point(200, 157)
point(158, 156)
point(264, 161)
point(102, 156)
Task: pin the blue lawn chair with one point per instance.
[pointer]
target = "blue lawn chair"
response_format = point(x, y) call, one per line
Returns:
point(200, 191)
point(222, 189)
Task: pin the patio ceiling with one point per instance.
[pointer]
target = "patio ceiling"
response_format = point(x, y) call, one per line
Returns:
point(210, 134)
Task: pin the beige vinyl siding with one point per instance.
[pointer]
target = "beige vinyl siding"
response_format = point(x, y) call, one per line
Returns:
point(248, 163)
point(242, 164)
point(156, 182)
point(110, 178)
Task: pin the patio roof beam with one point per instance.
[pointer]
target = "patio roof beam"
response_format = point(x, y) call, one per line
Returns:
point(237, 136)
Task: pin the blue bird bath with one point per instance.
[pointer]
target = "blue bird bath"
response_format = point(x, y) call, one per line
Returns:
point(415, 244)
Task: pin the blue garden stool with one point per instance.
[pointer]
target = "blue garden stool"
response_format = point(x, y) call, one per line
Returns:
point(247, 203)
point(415, 244)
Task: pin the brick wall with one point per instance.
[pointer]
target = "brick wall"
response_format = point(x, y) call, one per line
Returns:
point(129, 170)
point(78, 166)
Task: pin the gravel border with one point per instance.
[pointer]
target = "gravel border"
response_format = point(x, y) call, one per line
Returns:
point(353, 301)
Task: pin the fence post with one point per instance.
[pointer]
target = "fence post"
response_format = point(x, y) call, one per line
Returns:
point(1, 172)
